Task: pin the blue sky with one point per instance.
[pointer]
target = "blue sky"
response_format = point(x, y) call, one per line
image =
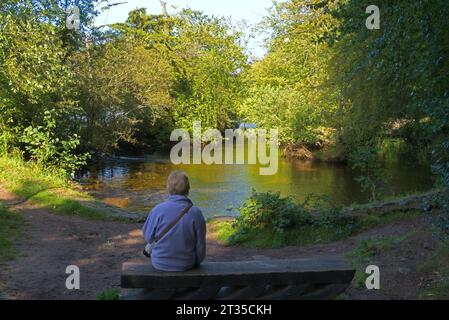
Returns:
point(251, 11)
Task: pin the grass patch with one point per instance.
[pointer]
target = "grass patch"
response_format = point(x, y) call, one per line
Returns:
point(224, 231)
point(111, 294)
point(26, 179)
point(298, 237)
point(221, 229)
point(367, 250)
point(438, 266)
point(10, 231)
point(49, 190)
point(69, 202)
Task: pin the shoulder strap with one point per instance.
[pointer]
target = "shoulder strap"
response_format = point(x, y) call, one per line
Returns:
point(167, 230)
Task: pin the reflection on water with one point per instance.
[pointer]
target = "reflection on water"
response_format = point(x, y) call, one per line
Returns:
point(139, 184)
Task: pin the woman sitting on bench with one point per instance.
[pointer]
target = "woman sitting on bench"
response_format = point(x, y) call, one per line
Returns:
point(176, 230)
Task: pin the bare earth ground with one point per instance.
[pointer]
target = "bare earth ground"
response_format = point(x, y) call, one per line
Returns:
point(51, 243)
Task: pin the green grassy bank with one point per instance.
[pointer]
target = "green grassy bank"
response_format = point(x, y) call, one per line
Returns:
point(225, 231)
point(49, 190)
point(10, 231)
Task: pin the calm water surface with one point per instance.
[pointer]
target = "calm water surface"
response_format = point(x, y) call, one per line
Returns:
point(138, 184)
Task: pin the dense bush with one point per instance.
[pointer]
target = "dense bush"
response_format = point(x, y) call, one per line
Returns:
point(46, 149)
point(269, 212)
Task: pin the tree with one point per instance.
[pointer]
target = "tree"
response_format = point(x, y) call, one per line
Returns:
point(288, 88)
point(35, 71)
point(33, 75)
point(209, 60)
point(124, 84)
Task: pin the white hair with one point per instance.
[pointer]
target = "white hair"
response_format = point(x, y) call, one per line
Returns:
point(178, 183)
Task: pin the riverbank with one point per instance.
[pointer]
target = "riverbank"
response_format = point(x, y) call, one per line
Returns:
point(269, 221)
point(30, 182)
point(42, 237)
point(44, 188)
point(412, 262)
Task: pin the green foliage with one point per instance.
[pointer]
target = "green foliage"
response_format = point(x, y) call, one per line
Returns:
point(270, 221)
point(394, 80)
point(296, 121)
point(123, 87)
point(288, 88)
point(10, 231)
point(109, 295)
point(33, 76)
point(47, 150)
point(326, 82)
point(269, 213)
point(155, 73)
point(366, 159)
point(126, 86)
point(8, 136)
point(36, 77)
point(27, 178)
point(324, 69)
point(48, 189)
point(209, 59)
point(71, 203)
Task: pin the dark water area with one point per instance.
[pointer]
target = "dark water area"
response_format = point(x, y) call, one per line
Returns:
point(138, 184)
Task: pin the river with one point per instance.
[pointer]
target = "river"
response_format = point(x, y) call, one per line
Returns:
point(138, 184)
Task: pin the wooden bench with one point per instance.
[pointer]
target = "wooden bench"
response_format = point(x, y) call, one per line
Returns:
point(303, 279)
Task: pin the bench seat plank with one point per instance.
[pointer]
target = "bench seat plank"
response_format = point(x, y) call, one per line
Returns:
point(319, 273)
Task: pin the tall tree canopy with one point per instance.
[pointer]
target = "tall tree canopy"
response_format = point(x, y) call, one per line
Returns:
point(326, 80)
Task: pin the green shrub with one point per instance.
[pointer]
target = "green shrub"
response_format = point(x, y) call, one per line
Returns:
point(48, 150)
point(111, 294)
point(8, 136)
point(269, 213)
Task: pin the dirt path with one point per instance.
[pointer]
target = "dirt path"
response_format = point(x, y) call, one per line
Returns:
point(51, 243)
